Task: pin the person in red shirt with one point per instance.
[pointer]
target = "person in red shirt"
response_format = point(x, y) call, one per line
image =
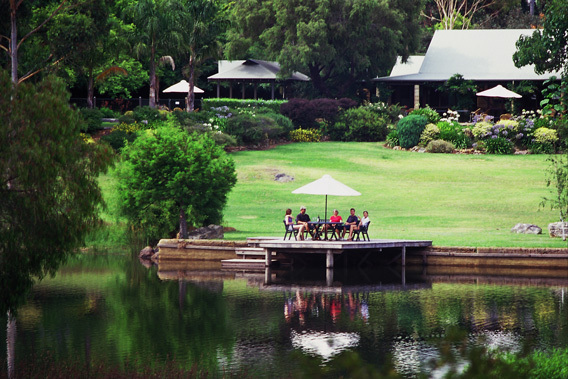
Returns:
point(335, 218)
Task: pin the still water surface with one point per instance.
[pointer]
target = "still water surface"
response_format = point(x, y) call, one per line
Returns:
point(110, 308)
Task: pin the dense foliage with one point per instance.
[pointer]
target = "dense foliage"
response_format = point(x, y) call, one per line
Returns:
point(409, 130)
point(169, 176)
point(336, 43)
point(308, 113)
point(50, 196)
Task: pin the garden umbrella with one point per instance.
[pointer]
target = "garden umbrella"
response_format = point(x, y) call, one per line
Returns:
point(183, 87)
point(499, 91)
point(326, 185)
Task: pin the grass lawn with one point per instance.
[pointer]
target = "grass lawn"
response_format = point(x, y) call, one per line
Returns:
point(453, 200)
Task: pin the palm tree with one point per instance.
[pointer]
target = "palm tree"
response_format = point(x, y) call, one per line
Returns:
point(203, 23)
point(157, 30)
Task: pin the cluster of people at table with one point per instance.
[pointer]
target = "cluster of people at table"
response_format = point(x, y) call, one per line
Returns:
point(302, 223)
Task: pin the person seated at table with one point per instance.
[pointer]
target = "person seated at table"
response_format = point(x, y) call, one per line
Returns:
point(303, 218)
point(289, 220)
point(335, 218)
point(352, 220)
point(361, 224)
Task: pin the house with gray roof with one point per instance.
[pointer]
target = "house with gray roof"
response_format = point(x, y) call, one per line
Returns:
point(483, 56)
point(252, 72)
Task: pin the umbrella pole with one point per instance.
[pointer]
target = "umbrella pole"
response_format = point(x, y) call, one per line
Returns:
point(325, 212)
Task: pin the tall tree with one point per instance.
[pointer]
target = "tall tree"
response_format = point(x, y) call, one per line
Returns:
point(49, 190)
point(177, 176)
point(547, 48)
point(337, 43)
point(157, 32)
point(203, 22)
point(454, 14)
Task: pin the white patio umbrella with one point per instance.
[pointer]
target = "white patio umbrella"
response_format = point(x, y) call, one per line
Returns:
point(183, 87)
point(499, 91)
point(326, 185)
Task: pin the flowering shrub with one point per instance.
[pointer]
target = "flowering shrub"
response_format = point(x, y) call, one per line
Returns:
point(498, 145)
point(482, 129)
point(431, 132)
point(391, 112)
point(431, 114)
point(451, 116)
point(305, 135)
point(544, 141)
point(453, 132)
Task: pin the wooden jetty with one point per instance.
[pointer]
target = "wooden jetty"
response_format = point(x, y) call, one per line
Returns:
point(276, 250)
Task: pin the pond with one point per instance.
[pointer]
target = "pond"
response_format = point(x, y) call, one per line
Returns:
point(110, 309)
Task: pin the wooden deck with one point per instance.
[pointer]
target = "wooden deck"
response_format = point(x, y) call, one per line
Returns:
point(272, 245)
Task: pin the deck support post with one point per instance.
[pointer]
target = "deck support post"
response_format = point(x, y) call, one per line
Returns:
point(267, 275)
point(329, 259)
point(329, 277)
point(403, 256)
point(268, 257)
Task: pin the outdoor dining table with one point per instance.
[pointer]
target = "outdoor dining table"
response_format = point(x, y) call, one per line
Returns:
point(318, 230)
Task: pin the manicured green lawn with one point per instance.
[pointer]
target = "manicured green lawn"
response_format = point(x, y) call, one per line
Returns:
point(453, 200)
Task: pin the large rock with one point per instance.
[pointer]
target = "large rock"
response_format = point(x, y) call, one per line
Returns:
point(555, 229)
point(207, 233)
point(526, 229)
point(146, 253)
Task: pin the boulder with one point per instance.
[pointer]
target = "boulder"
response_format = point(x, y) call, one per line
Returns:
point(283, 178)
point(207, 233)
point(526, 229)
point(146, 253)
point(555, 229)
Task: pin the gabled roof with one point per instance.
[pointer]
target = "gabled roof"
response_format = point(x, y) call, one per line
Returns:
point(482, 55)
point(252, 69)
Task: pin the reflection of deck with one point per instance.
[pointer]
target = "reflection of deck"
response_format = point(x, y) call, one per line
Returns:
point(332, 248)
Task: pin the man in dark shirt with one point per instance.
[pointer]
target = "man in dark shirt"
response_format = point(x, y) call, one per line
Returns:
point(304, 218)
point(351, 220)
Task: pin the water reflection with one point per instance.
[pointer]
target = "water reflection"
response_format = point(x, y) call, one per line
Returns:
point(234, 321)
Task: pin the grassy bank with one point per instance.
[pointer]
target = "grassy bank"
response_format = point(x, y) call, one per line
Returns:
point(454, 200)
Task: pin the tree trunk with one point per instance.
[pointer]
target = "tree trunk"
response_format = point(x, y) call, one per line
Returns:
point(190, 101)
point(90, 91)
point(11, 344)
point(152, 96)
point(13, 43)
point(318, 81)
point(531, 7)
point(182, 223)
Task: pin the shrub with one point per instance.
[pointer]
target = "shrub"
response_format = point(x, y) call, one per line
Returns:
point(117, 139)
point(482, 129)
point(431, 115)
point(92, 119)
point(305, 135)
point(430, 133)
point(392, 138)
point(305, 113)
point(248, 129)
point(274, 105)
point(284, 122)
point(222, 139)
point(440, 146)
point(498, 145)
point(391, 112)
point(108, 113)
point(358, 124)
point(409, 130)
point(453, 132)
point(544, 141)
point(147, 113)
point(127, 118)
